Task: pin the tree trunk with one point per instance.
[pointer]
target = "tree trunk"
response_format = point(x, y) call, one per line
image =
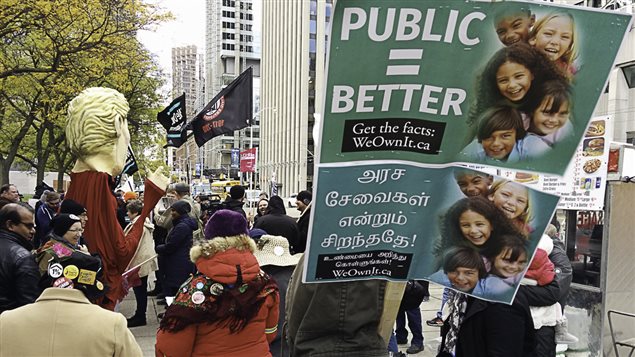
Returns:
point(4, 171)
point(60, 180)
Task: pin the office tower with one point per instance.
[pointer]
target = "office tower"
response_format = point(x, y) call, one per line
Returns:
point(293, 58)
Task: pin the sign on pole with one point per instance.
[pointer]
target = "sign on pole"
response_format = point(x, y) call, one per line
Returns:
point(415, 88)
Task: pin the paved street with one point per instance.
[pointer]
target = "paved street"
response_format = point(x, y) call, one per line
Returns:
point(145, 335)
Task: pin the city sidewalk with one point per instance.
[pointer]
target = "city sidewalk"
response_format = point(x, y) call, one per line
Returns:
point(146, 335)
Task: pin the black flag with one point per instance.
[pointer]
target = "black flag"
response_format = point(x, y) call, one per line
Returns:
point(129, 168)
point(173, 120)
point(230, 110)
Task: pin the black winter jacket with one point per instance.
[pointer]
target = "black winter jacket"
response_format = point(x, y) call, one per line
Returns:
point(278, 224)
point(176, 252)
point(500, 330)
point(303, 228)
point(234, 205)
point(19, 274)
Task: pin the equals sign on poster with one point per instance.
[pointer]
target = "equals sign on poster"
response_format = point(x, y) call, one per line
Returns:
point(404, 69)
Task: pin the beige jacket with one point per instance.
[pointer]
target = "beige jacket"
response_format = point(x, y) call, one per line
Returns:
point(145, 249)
point(66, 324)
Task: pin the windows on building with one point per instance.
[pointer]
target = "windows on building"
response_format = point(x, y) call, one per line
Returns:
point(629, 75)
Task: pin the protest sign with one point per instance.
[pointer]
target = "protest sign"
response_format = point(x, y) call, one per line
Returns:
point(248, 160)
point(399, 221)
point(440, 82)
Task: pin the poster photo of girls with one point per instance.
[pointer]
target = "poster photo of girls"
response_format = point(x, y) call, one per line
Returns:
point(523, 103)
point(526, 92)
point(486, 238)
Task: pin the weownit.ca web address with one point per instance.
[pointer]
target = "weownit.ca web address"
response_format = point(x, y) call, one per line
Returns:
point(351, 273)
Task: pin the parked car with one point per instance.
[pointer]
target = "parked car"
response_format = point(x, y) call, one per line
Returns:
point(291, 200)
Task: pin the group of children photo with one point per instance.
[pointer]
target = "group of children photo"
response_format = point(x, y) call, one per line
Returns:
point(484, 244)
point(523, 98)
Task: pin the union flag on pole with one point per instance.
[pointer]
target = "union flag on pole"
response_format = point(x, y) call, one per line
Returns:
point(230, 110)
point(173, 120)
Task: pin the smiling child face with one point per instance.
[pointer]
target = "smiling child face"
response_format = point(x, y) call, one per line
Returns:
point(500, 144)
point(514, 28)
point(463, 279)
point(506, 267)
point(511, 199)
point(475, 227)
point(473, 185)
point(544, 122)
point(513, 80)
point(554, 38)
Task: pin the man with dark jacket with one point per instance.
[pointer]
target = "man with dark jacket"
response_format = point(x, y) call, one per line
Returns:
point(19, 274)
point(236, 200)
point(277, 223)
point(8, 194)
point(303, 203)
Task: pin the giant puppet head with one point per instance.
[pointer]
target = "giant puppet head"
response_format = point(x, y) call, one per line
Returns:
point(97, 130)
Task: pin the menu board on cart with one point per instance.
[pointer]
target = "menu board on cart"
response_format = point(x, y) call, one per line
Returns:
point(583, 185)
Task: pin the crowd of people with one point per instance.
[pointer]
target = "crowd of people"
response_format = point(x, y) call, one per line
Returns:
point(231, 277)
point(243, 261)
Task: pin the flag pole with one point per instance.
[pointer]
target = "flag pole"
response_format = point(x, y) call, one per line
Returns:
point(139, 265)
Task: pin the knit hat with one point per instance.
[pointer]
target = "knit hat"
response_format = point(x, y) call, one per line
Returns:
point(226, 223)
point(72, 207)
point(73, 270)
point(181, 207)
point(130, 195)
point(63, 222)
point(237, 192)
point(274, 250)
point(304, 195)
point(256, 233)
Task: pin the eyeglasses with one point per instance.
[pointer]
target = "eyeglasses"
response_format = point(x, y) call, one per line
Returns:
point(28, 225)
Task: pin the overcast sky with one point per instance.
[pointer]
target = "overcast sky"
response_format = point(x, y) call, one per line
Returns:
point(188, 28)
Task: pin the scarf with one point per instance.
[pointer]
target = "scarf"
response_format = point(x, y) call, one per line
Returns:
point(202, 300)
point(458, 305)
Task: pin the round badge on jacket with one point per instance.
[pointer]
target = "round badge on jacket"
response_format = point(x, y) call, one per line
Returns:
point(198, 297)
point(55, 270)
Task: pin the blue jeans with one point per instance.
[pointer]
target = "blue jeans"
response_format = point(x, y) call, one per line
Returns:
point(392, 343)
point(414, 324)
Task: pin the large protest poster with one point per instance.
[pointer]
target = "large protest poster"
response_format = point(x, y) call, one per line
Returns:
point(400, 221)
point(416, 86)
point(439, 82)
